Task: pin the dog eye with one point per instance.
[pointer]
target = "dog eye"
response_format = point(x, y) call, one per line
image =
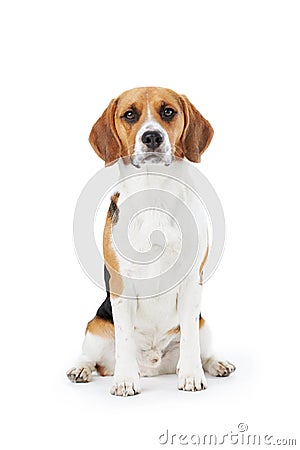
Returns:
point(167, 113)
point(130, 116)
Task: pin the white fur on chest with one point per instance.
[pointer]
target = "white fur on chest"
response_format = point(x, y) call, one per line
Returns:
point(154, 237)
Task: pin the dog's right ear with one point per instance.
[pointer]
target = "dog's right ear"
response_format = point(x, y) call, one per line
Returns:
point(104, 137)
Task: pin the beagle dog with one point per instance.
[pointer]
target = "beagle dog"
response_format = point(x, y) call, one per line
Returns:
point(150, 324)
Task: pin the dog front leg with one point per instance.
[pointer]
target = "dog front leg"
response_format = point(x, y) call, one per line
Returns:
point(126, 375)
point(190, 372)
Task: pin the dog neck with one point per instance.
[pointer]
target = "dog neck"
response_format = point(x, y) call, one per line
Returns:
point(171, 182)
point(152, 175)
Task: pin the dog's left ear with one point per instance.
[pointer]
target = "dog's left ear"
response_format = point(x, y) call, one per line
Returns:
point(104, 137)
point(197, 132)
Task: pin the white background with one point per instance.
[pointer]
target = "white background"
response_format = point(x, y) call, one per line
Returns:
point(62, 62)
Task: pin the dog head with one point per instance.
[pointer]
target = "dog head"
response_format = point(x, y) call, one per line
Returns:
point(150, 125)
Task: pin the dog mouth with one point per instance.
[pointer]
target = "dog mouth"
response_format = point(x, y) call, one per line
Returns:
point(152, 158)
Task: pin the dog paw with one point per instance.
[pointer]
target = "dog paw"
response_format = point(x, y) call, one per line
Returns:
point(218, 368)
point(192, 381)
point(79, 374)
point(126, 387)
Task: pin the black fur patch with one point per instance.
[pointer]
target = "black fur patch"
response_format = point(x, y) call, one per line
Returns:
point(105, 311)
point(113, 210)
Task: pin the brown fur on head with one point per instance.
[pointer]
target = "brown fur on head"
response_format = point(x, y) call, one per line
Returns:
point(113, 137)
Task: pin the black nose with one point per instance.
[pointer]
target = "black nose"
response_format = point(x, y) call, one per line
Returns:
point(152, 139)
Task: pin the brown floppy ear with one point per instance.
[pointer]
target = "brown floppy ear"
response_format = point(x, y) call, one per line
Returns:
point(104, 138)
point(197, 132)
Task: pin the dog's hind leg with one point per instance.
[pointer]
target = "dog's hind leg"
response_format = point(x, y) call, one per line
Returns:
point(210, 363)
point(98, 352)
